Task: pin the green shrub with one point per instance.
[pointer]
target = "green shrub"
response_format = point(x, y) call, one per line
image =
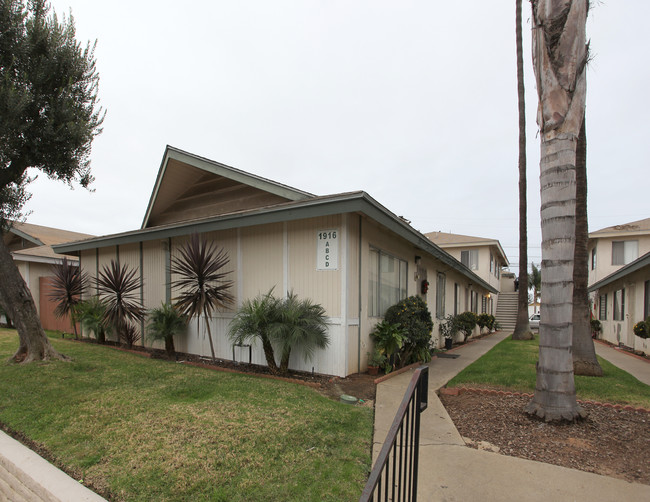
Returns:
point(414, 316)
point(466, 322)
point(596, 326)
point(485, 321)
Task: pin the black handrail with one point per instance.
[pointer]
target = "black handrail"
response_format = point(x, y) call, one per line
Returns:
point(399, 481)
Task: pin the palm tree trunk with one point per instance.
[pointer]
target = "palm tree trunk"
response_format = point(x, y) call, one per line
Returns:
point(584, 353)
point(559, 59)
point(207, 323)
point(284, 362)
point(269, 354)
point(522, 327)
point(18, 301)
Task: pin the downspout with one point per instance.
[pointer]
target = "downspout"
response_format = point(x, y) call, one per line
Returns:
point(141, 292)
point(96, 270)
point(168, 271)
point(359, 302)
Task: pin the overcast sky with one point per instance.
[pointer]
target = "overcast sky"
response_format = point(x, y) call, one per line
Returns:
point(413, 102)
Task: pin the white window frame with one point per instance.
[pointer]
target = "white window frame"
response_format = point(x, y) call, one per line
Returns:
point(375, 306)
point(469, 258)
point(624, 252)
point(619, 305)
point(441, 279)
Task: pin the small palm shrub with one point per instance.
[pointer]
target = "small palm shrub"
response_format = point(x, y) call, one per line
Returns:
point(129, 335)
point(164, 323)
point(413, 315)
point(389, 339)
point(288, 324)
point(92, 315)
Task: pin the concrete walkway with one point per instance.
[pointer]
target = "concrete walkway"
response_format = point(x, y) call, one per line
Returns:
point(450, 471)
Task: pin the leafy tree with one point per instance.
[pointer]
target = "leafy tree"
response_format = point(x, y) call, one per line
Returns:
point(559, 60)
point(50, 115)
point(68, 284)
point(465, 323)
point(117, 286)
point(164, 323)
point(254, 320)
point(201, 280)
point(92, 314)
point(522, 326)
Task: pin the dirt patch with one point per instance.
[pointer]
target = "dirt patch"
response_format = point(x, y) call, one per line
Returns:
point(610, 442)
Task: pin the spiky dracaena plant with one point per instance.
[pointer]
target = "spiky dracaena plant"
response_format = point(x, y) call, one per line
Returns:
point(302, 325)
point(117, 286)
point(201, 281)
point(165, 322)
point(68, 283)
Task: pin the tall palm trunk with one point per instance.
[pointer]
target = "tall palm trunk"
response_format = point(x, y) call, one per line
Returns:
point(559, 60)
point(522, 326)
point(584, 353)
point(19, 304)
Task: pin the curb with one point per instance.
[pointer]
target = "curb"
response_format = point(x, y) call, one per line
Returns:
point(399, 372)
point(456, 391)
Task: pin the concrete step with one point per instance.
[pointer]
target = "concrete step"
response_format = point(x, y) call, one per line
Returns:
point(11, 489)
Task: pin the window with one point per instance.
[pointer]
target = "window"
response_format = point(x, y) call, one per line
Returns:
point(491, 263)
point(474, 302)
point(602, 308)
point(469, 259)
point(387, 282)
point(440, 296)
point(593, 259)
point(646, 300)
point(483, 304)
point(624, 252)
point(456, 298)
point(619, 305)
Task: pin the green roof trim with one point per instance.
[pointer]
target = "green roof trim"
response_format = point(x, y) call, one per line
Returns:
point(637, 264)
point(353, 202)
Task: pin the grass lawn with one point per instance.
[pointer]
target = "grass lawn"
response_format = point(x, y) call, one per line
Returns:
point(511, 365)
point(147, 429)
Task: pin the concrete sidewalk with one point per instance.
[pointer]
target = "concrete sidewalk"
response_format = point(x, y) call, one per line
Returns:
point(450, 471)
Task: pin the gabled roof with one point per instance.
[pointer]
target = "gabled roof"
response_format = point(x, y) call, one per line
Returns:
point(639, 227)
point(39, 235)
point(41, 254)
point(189, 184)
point(353, 202)
point(637, 264)
point(448, 241)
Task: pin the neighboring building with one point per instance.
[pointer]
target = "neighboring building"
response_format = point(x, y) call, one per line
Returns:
point(614, 247)
point(485, 257)
point(619, 277)
point(346, 252)
point(31, 248)
point(621, 300)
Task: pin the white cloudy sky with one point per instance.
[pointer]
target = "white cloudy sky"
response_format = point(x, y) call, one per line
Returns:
point(412, 101)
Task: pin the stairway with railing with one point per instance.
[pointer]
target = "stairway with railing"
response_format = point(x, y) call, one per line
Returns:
point(506, 314)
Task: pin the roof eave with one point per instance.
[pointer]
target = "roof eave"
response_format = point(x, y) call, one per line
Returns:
point(637, 264)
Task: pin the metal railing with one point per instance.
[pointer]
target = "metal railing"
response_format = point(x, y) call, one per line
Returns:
point(395, 473)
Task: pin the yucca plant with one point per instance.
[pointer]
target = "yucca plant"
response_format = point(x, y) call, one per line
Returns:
point(302, 325)
point(165, 322)
point(117, 286)
point(201, 281)
point(68, 284)
point(92, 315)
point(254, 320)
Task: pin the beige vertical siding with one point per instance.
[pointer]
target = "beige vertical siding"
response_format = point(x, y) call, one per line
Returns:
point(262, 259)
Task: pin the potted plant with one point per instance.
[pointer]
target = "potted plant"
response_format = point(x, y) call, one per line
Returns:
point(448, 329)
point(375, 361)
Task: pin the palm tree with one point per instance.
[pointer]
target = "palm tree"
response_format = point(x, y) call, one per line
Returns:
point(117, 286)
point(559, 60)
point(585, 361)
point(302, 325)
point(92, 314)
point(68, 284)
point(165, 322)
point(255, 320)
point(202, 283)
point(522, 326)
point(535, 282)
